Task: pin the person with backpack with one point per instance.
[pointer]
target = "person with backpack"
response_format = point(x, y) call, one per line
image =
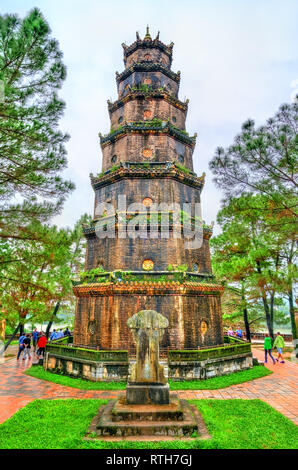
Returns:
point(279, 344)
point(35, 336)
point(27, 347)
point(268, 348)
point(21, 345)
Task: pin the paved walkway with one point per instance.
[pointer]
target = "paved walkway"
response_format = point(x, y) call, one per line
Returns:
point(280, 389)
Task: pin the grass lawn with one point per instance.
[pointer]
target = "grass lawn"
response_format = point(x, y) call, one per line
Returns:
point(209, 384)
point(233, 424)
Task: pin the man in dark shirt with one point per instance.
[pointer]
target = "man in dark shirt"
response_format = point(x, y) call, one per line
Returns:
point(21, 345)
point(35, 336)
point(27, 346)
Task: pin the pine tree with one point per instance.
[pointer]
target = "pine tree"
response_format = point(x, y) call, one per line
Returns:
point(263, 161)
point(32, 150)
point(249, 253)
point(39, 280)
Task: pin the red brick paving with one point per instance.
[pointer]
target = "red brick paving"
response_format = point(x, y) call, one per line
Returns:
point(280, 389)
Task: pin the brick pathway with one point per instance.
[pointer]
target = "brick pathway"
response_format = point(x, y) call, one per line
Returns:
point(279, 390)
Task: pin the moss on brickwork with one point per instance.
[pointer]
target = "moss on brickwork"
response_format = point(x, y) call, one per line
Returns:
point(90, 354)
point(212, 353)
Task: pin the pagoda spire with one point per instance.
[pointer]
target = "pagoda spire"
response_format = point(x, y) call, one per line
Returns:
point(147, 34)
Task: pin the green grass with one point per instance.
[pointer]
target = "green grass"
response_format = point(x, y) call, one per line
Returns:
point(233, 424)
point(223, 381)
point(39, 373)
point(14, 342)
point(209, 384)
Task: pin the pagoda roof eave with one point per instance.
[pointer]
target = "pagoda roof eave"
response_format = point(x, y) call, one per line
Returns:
point(135, 94)
point(169, 171)
point(131, 128)
point(147, 67)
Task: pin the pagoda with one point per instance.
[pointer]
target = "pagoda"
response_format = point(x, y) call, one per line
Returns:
point(147, 158)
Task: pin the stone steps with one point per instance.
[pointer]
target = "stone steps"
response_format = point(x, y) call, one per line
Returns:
point(117, 419)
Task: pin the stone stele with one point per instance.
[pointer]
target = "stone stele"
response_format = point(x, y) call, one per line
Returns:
point(147, 382)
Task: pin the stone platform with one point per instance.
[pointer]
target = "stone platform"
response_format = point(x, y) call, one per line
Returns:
point(147, 393)
point(118, 419)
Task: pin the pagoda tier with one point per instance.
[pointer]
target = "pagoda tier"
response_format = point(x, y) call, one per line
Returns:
point(148, 158)
point(147, 120)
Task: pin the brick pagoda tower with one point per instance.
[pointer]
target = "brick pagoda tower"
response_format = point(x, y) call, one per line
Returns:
point(148, 157)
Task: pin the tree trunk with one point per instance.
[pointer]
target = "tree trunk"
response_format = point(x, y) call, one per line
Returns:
point(246, 324)
point(266, 307)
point(272, 298)
point(10, 339)
point(245, 313)
point(51, 322)
point(268, 317)
point(292, 313)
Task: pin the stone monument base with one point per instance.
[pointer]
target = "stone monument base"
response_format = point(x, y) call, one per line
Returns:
point(147, 393)
point(119, 420)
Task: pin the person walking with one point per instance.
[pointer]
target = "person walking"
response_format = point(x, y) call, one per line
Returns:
point(27, 347)
point(268, 348)
point(54, 335)
point(35, 335)
point(279, 344)
point(21, 345)
point(41, 345)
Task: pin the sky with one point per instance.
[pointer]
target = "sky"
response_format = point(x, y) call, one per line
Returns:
point(238, 60)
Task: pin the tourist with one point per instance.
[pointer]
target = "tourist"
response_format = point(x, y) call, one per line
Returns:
point(27, 347)
point(279, 344)
point(41, 345)
point(60, 334)
point(21, 345)
point(54, 335)
point(35, 338)
point(239, 332)
point(230, 331)
point(67, 332)
point(268, 348)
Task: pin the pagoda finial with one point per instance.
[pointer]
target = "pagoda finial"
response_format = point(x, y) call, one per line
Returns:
point(147, 34)
point(157, 37)
point(138, 36)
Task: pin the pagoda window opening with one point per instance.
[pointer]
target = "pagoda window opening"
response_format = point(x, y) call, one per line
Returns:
point(120, 119)
point(147, 114)
point(114, 158)
point(181, 158)
point(148, 265)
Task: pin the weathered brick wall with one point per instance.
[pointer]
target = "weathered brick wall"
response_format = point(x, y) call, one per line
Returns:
point(160, 190)
point(131, 148)
point(144, 109)
point(184, 312)
point(129, 254)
